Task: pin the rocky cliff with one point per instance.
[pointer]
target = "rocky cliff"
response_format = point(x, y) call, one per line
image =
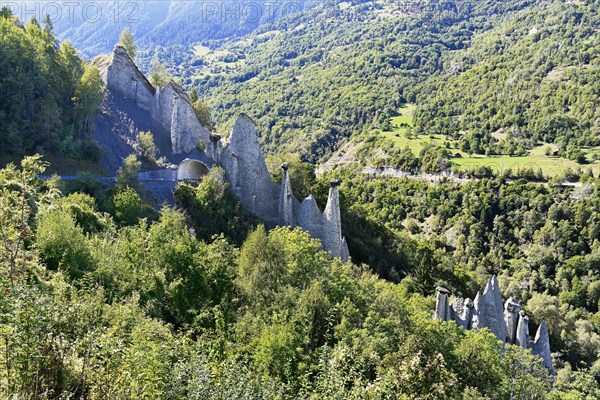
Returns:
point(507, 322)
point(248, 176)
point(169, 106)
point(167, 112)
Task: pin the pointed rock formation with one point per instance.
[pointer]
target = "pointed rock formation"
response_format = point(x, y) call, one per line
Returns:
point(188, 131)
point(241, 157)
point(215, 147)
point(509, 323)
point(123, 78)
point(468, 313)
point(541, 345)
point(478, 319)
point(309, 217)
point(247, 172)
point(332, 234)
point(127, 84)
point(286, 206)
point(491, 310)
point(442, 305)
point(522, 336)
point(345, 252)
point(511, 319)
point(175, 127)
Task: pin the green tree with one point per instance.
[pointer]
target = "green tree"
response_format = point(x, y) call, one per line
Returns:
point(302, 174)
point(127, 176)
point(20, 196)
point(203, 113)
point(89, 95)
point(159, 74)
point(213, 209)
point(62, 243)
point(127, 40)
point(147, 148)
point(129, 206)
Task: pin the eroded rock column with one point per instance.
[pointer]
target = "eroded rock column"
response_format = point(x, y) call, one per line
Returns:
point(286, 208)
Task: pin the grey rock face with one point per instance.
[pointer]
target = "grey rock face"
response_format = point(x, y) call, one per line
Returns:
point(478, 319)
point(522, 337)
point(442, 305)
point(215, 147)
point(286, 205)
point(309, 217)
point(169, 106)
point(511, 319)
point(247, 172)
point(249, 177)
point(462, 312)
point(541, 345)
point(345, 256)
point(488, 310)
point(332, 232)
point(122, 76)
point(240, 157)
point(509, 323)
point(494, 309)
point(177, 114)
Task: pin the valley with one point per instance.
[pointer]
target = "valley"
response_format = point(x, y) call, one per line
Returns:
point(328, 200)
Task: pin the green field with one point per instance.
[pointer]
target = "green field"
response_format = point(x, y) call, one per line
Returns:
point(402, 123)
point(213, 64)
point(550, 166)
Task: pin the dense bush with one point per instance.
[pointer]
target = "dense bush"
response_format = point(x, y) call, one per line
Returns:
point(148, 311)
point(48, 97)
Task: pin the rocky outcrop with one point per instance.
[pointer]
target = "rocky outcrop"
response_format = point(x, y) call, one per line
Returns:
point(174, 110)
point(247, 171)
point(286, 199)
point(507, 322)
point(442, 305)
point(240, 155)
point(169, 106)
point(248, 176)
point(512, 309)
point(541, 345)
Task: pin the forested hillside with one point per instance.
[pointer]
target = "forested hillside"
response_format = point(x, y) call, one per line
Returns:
point(48, 96)
point(94, 26)
point(541, 241)
point(492, 77)
point(535, 78)
point(95, 305)
point(317, 78)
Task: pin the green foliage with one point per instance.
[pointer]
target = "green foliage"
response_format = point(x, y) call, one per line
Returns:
point(159, 75)
point(89, 95)
point(270, 262)
point(127, 40)
point(127, 176)
point(534, 84)
point(203, 113)
point(302, 174)
point(47, 94)
point(62, 243)
point(147, 148)
point(19, 199)
point(213, 209)
point(129, 206)
point(148, 311)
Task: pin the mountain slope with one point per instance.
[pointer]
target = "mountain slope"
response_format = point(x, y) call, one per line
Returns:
point(94, 27)
point(312, 80)
point(534, 78)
